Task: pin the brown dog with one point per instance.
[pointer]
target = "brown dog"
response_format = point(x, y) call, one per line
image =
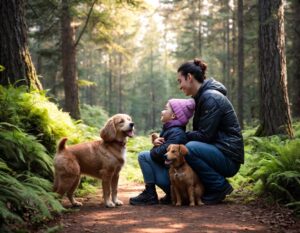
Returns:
point(186, 187)
point(101, 159)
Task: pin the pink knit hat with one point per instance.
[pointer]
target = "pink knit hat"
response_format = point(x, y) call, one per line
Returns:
point(183, 109)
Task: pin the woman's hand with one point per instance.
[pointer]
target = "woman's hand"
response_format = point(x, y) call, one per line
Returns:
point(158, 141)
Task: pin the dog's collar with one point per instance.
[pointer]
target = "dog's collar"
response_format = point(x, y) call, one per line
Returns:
point(121, 143)
point(178, 167)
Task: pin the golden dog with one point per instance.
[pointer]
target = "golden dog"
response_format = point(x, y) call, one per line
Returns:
point(186, 187)
point(101, 159)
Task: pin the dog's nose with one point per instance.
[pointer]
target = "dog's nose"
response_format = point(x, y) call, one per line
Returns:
point(131, 125)
point(165, 156)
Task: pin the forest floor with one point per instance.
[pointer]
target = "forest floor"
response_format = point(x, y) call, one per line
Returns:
point(231, 216)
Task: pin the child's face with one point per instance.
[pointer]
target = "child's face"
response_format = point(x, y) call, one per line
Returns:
point(167, 114)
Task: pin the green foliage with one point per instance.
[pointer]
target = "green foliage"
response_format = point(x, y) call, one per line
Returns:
point(30, 126)
point(24, 198)
point(86, 83)
point(296, 127)
point(35, 114)
point(272, 169)
point(22, 152)
point(2, 68)
point(93, 116)
point(87, 186)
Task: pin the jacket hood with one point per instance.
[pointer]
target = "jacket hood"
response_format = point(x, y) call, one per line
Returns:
point(211, 84)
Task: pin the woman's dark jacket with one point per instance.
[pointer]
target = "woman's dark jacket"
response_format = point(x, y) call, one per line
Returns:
point(215, 121)
point(172, 135)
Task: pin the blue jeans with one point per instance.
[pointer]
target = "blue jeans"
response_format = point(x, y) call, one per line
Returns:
point(211, 165)
point(154, 173)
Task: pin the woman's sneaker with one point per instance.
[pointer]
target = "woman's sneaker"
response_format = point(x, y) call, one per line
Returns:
point(166, 200)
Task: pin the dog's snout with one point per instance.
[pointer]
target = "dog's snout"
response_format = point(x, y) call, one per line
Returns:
point(165, 156)
point(131, 125)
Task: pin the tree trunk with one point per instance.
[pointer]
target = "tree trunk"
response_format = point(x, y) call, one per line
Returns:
point(120, 85)
point(228, 62)
point(296, 60)
point(110, 83)
point(233, 54)
point(152, 91)
point(14, 53)
point(69, 62)
point(241, 63)
point(275, 112)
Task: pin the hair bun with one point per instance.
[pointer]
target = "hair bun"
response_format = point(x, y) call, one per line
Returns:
point(201, 64)
point(197, 61)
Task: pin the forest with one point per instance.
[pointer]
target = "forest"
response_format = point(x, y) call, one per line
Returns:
point(67, 66)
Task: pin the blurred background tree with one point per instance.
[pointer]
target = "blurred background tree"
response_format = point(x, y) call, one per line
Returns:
point(129, 51)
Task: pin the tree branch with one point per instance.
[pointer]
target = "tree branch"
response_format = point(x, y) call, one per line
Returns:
point(85, 25)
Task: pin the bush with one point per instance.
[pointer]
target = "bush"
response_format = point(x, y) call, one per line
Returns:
point(25, 198)
point(93, 116)
point(272, 169)
point(30, 126)
point(22, 152)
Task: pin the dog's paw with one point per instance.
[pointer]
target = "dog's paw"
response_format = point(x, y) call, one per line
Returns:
point(118, 203)
point(178, 203)
point(192, 204)
point(110, 204)
point(76, 204)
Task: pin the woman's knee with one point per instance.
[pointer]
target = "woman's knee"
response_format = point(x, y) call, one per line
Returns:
point(143, 156)
point(193, 149)
point(192, 144)
point(196, 152)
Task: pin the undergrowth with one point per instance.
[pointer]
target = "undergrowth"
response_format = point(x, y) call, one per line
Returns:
point(30, 127)
point(271, 170)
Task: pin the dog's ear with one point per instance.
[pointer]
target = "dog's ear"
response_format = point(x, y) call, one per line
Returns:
point(169, 147)
point(108, 132)
point(183, 150)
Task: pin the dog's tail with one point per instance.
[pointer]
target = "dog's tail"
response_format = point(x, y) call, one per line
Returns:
point(62, 144)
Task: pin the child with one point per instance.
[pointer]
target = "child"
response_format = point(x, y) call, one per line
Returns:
point(174, 117)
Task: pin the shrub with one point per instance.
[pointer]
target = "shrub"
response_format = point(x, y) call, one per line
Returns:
point(30, 126)
point(93, 116)
point(272, 169)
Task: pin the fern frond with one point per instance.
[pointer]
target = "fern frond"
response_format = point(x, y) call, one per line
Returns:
point(7, 214)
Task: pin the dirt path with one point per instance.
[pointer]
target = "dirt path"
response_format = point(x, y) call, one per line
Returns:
point(227, 217)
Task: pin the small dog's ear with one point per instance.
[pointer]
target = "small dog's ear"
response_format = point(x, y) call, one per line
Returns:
point(108, 132)
point(183, 150)
point(169, 147)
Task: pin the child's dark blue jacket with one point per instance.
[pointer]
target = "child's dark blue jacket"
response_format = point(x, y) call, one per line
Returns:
point(172, 135)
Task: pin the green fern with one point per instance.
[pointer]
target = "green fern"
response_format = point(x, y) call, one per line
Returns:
point(26, 197)
point(22, 152)
point(272, 168)
point(278, 167)
point(30, 126)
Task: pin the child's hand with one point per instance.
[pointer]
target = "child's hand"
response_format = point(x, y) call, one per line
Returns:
point(154, 136)
point(158, 141)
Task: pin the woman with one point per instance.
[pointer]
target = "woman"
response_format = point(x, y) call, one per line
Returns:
point(215, 145)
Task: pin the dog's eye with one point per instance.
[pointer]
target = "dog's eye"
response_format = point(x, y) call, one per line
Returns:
point(121, 121)
point(173, 151)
